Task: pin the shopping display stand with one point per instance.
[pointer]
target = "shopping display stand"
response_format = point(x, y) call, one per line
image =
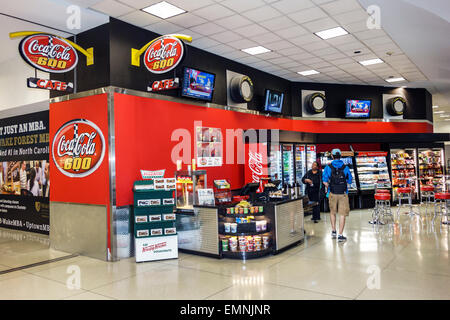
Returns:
point(154, 220)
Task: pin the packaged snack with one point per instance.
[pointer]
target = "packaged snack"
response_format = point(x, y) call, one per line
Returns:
point(227, 227)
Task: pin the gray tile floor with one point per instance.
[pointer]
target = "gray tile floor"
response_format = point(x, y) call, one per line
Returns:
point(408, 261)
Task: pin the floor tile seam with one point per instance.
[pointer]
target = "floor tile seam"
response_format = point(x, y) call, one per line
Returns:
point(306, 290)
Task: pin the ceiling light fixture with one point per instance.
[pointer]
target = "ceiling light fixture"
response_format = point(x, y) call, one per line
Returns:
point(437, 112)
point(444, 116)
point(308, 72)
point(163, 10)
point(371, 61)
point(331, 33)
point(256, 50)
point(395, 79)
point(435, 107)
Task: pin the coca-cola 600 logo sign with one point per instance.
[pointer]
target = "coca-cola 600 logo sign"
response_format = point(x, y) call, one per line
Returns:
point(78, 148)
point(48, 53)
point(164, 54)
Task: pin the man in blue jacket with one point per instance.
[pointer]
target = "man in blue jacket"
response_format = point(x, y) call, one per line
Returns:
point(336, 177)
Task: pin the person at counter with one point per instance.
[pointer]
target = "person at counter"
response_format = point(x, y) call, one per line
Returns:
point(313, 180)
point(336, 177)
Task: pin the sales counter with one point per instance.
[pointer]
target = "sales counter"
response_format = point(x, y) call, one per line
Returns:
point(218, 231)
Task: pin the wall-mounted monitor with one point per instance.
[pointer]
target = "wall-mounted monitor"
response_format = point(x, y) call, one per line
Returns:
point(273, 101)
point(197, 84)
point(358, 108)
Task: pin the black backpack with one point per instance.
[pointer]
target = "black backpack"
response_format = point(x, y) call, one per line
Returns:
point(338, 180)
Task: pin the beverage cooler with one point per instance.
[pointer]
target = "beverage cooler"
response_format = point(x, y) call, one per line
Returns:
point(348, 159)
point(431, 168)
point(288, 162)
point(404, 170)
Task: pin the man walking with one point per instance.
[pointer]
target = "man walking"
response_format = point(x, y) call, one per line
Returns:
point(336, 177)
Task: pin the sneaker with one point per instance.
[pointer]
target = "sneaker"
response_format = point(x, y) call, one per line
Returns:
point(333, 234)
point(341, 238)
point(316, 221)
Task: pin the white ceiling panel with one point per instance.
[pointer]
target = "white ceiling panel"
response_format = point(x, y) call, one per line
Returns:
point(262, 14)
point(139, 18)
point(164, 27)
point(351, 16)
point(227, 36)
point(340, 6)
point(241, 6)
point(305, 39)
point(112, 8)
point(279, 23)
point(191, 5)
point(320, 25)
point(243, 44)
point(267, 37)
point(137, 4)
point(233, 22)
point(187, 20)
point(289, 6)
point(250, 30)
point(208, 28)
point(205, 43)
point(214, 12)
point(306, 15)
point(280, 45)
point(292, 32)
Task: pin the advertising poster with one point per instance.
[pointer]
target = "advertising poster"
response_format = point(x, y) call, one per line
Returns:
point(24, 173)
point(209, 147)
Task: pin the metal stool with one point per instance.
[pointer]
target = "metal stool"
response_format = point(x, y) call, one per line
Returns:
point(442, 206)
point(427, 193)
point(382, 208)
point(405, 194)
point(383, 191)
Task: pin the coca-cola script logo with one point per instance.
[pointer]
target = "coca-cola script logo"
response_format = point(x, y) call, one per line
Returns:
point(78, 148)
point(255, 163)
point(48, 53)
point(164, 54)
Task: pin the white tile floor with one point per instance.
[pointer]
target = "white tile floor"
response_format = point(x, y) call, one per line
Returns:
point(413, 261)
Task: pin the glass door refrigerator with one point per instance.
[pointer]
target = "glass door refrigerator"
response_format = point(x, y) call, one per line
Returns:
point(300, 164)
point(275, 167)
point(288, 164)
point(347, 157)
point(372, 171)
point(404, 170)
point(311, 156)
point(431, 168)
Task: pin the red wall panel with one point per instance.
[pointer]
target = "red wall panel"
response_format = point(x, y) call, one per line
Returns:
point(143, 129)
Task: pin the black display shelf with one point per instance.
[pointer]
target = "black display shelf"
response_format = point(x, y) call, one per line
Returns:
point(242, 215)
point(244, 234)
point(244, 255)
point(244, 228)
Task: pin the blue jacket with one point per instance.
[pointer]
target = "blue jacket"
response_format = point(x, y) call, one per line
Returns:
point(337, 164)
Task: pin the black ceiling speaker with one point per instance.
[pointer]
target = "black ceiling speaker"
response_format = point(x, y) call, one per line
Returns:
point(241, 89)
point(316, 103)
point(396, 106)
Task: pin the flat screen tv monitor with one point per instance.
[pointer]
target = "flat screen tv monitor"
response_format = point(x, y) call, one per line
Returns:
point(358, 108)
point(197, 84)
point(273, 101)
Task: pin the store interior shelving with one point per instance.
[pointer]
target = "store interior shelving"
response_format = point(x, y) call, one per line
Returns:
point(404, 170)
point(431, 168)
point(372, 172)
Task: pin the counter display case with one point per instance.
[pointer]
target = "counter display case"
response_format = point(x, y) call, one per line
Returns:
point(372, 171)
point(431, 168)
point(241, 232)
point(404, 170)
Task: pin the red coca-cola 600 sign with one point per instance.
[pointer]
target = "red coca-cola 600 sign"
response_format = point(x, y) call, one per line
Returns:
point(78, 148)
point(164, 54)
point(48, 53)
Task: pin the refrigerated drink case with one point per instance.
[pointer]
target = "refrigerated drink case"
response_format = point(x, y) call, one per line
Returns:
point(288, 164)
point(311, 156)
point(300, 166)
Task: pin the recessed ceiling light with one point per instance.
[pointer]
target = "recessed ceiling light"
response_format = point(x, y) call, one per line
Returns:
point(163, 10)
point(395, 79)
point(308, 72)
point(437, 112)
point(256, 50)
point(435, 107)
point(331, 33)
point(371, 61)
point(444, 116)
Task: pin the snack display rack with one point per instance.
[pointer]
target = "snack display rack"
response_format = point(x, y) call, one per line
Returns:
point(245, 231)
point(372, 171)
point(431, 168)
point(404, 170)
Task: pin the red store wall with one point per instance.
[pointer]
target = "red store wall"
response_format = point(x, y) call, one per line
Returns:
point(143, 129)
